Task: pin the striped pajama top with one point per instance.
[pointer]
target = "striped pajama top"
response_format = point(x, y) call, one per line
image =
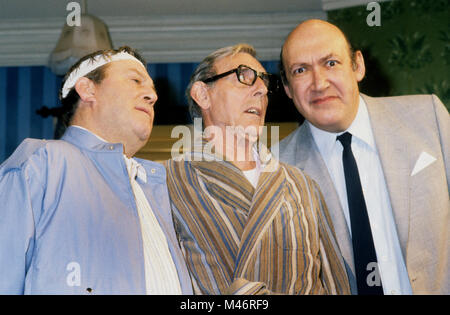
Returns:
point(275, 239)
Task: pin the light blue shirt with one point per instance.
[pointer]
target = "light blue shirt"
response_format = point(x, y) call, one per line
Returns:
point(391, 263)
point(68, 219)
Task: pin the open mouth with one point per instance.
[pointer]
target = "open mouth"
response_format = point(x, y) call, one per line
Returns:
point(253, 111)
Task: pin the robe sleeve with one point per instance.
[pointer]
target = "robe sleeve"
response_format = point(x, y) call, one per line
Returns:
point(242, 286)
point(21, 193)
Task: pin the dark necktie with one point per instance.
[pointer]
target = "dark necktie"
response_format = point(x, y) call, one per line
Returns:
point(363, 247)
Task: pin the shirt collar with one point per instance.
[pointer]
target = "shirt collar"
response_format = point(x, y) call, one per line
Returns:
point(84, 138)
point(82, 128)
point(360, 128)
point(81, 137)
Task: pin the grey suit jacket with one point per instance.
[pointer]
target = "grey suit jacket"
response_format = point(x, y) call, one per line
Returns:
point(403, 128)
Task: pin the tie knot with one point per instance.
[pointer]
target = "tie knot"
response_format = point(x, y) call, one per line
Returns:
point(345, 139)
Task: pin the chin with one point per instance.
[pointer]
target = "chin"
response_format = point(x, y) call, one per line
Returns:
point(252, 132)
point(143, 133)
point(331, 126)
point(330, 121)
point(146, 136)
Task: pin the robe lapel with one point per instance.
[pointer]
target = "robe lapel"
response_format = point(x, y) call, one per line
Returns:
point(265, 206)
point(226, 173)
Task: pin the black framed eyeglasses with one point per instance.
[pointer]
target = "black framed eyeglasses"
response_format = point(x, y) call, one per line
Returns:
point(248, 76)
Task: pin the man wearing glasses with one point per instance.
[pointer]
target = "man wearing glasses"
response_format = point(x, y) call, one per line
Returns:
point(247, 223)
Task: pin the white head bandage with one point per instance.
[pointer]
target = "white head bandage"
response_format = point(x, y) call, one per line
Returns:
point(90, 65)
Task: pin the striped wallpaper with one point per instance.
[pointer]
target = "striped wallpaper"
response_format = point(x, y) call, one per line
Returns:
point(23, 90)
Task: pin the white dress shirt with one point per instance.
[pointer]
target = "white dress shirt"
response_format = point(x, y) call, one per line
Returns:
point(161, 276)
point(391, 263)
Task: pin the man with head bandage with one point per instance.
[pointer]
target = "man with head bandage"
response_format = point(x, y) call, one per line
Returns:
point(80, 215)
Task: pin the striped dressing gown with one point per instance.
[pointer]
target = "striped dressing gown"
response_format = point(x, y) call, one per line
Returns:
point(275, 239)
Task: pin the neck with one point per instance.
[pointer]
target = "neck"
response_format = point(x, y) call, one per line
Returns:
point(129, 149)
point(235, 149)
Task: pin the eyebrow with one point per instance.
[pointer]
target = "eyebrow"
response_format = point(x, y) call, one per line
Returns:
point(136, 72)
point(321, 60)
point(326, 57)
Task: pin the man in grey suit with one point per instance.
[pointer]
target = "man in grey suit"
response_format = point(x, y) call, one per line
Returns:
point(401, 148)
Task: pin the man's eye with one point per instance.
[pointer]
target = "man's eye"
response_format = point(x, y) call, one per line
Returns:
point(136, 80)
point(331, 63)
point(298, 71)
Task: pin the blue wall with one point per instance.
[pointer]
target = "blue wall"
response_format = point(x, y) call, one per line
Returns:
point(23, 90)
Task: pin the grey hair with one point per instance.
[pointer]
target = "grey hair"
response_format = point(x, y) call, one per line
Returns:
point(206, 70)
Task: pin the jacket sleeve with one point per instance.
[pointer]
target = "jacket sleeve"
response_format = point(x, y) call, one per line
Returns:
point(21, 192)
point(443, 125)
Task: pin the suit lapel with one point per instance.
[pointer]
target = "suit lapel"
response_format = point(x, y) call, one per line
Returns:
point(310, 160)
point(395, 161)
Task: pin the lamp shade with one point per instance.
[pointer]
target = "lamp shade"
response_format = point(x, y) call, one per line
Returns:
point(78, 41)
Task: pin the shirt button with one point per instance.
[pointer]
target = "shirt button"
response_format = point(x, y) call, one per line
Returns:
point(153, 171)
point(111, 147)
point(393, 292)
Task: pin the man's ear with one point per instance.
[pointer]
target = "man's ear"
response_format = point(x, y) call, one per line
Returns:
point(360, 67)
point(286, 89)
point(199, 93)
point(85, 89)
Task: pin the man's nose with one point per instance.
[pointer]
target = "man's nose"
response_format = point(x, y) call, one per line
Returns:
point(260, 87)
point(320, 79)
point(150, 95)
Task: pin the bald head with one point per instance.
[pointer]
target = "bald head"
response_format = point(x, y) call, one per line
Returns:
point(315, 26)
point(321, 74)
